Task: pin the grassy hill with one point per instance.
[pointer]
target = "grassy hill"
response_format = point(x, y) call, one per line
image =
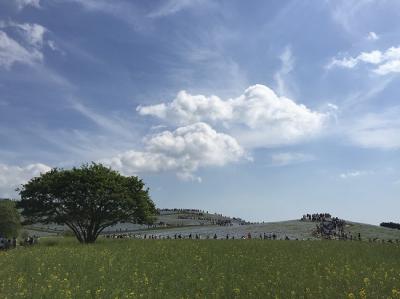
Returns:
point(186, 221)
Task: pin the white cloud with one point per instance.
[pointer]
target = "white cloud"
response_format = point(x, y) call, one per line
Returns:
point(183, 151)
point(385, 62)
point(377, 130)
point(354, 174)
point(12, 176)
point(23, 3)
point(12, 52)
point(372, 36)
point(283, 159)
point(257, 118)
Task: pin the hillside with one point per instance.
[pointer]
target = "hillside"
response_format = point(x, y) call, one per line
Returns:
point(190, 221)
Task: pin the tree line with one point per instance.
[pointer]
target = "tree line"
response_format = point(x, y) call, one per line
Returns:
point(390, 225)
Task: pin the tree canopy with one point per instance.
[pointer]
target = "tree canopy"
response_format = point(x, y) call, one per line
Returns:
point(9, 219)
point(87, 199)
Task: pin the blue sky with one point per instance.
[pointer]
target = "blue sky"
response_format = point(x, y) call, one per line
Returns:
point(263, 110)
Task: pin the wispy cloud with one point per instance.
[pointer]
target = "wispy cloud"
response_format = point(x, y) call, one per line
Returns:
point(171, 7)
point(126, 11)
point(355, 174)
point(109, 123)
point(345, 12)
point(372, 36)
point(290, 158)
point(12, 52)
point(377, 130)
point(24, 3)
point(287, 61)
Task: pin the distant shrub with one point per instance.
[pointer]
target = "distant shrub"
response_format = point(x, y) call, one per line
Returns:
point(390, 225)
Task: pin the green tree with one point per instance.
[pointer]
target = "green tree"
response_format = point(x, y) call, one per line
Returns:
point(86, 199)
point(9, 219)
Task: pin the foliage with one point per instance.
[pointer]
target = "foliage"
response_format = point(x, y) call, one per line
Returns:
point(86, 199)
point(9, 219)
point(202, 269)
point(390, 225)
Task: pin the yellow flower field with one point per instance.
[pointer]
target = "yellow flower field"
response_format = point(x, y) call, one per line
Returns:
point(201, 269)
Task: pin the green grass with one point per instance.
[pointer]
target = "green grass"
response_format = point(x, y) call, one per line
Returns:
point(61, 268)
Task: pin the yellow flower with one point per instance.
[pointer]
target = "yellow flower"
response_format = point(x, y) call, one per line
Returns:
point(363, 293)
point(236, 291)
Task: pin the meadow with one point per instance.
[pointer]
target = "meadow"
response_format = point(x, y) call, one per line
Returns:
point(62, 268)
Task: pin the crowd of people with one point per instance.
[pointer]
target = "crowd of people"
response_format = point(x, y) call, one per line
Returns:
point(6, 244)
point(316, 217)
point(11, 243)
point(328, 226)
point(179, 236)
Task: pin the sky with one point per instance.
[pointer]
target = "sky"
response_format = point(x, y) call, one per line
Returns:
point(263, 110)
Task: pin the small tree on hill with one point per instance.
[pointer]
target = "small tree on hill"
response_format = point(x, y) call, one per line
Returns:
point(86, 199)
point(9, 219)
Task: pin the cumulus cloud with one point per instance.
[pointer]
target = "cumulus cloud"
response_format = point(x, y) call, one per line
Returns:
point(258, 118)
point(384, 62)
point(377, 130)
point(354, 174)
point(12, 176)
point(284, 159)
point(183, 151)
point(12, 52)
point(372, 36)
point(23, 3)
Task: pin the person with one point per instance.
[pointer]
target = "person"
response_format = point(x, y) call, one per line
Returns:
point(215, 236)
point(14, 242)
point(248, 235)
